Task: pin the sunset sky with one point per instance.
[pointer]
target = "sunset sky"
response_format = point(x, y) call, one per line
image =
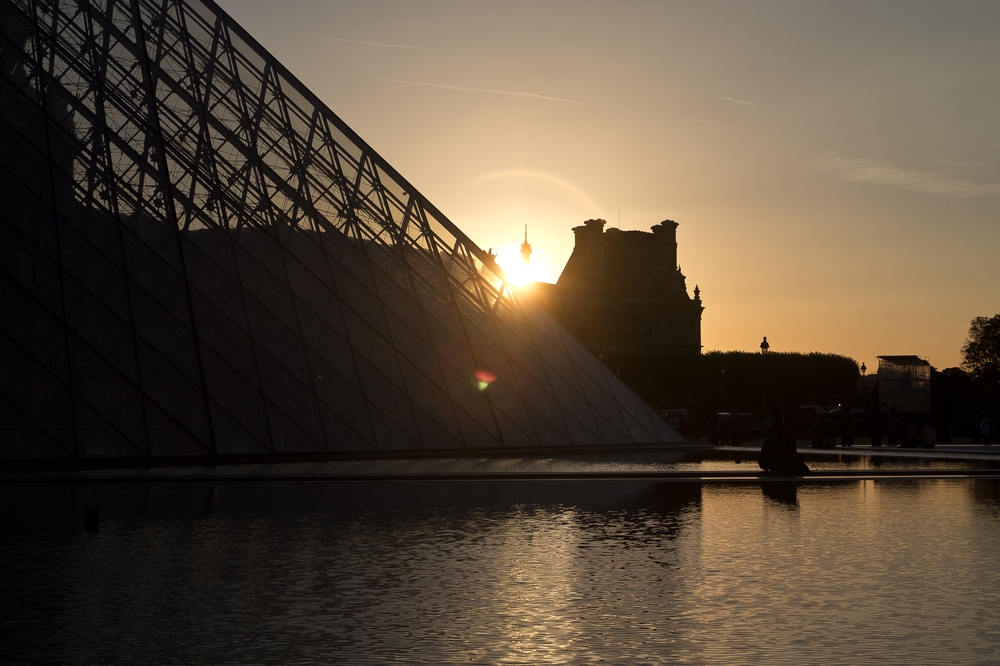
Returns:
point(834, 167)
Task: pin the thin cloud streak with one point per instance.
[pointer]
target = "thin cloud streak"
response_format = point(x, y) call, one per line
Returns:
point(388, 46)
point(883, 173)
point(702, 120)
point(512, 93)
point(738, 101)
point(466, 56)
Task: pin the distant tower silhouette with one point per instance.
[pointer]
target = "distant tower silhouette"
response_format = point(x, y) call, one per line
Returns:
point(764, 346)
point(526, 248)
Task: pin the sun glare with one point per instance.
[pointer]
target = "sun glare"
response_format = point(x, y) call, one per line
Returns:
point(518, 272)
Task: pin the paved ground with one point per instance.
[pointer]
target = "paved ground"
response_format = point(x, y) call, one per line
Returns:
point(939, 452)
point(666, 464)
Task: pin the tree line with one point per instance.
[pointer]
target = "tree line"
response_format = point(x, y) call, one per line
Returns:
point(735, 381)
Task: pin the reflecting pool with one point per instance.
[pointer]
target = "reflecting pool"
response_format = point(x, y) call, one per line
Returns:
point(894, 572)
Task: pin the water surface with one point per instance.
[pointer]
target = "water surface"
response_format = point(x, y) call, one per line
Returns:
point(890, 572)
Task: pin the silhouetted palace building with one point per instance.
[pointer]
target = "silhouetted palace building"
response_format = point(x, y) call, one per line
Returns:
point(623, 292)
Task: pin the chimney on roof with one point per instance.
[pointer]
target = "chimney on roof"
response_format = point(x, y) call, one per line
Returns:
point(585, 267)
point(666, 231)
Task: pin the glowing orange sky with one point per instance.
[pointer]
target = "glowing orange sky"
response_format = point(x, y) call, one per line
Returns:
point(834, 167)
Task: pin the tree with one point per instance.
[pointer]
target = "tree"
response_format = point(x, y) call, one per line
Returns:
point(739, 381)
point(981, 351)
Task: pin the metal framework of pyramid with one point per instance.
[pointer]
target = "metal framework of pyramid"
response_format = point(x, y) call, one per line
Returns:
point(198, 258)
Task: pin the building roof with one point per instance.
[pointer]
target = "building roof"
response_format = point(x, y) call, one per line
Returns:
point(907, 359)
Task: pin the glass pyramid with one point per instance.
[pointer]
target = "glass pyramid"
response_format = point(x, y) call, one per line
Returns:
point(198, 258)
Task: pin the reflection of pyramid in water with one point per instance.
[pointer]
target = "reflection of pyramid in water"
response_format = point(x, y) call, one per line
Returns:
point(197, 257)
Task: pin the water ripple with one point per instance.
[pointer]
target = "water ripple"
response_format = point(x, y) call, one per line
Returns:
point(894, 572)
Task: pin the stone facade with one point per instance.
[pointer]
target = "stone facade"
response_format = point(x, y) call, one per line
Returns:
point(622, 292)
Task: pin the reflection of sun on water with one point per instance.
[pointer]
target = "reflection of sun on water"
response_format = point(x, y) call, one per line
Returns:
point(537, 566)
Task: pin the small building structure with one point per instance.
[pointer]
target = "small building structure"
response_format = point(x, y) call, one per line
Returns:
point(904, 382)
point(622, 292)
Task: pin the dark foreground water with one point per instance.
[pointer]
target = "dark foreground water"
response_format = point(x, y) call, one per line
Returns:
point(888, 572)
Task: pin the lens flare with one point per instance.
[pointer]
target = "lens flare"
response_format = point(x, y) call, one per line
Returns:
point(483, 379)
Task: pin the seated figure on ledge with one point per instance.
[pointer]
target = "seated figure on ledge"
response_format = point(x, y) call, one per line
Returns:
point(778, 454)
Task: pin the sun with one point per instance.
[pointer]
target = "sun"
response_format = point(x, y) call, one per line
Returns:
point(518, 272)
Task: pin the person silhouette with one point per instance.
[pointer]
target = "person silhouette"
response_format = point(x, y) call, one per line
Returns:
point(764, 346)
point(846, 427)
point(877, 425)
point(778, 454)
point(892, 427)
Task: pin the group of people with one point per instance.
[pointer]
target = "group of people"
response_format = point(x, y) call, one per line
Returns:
point(887, 428)
point(778, 452)
point(887, 425)
point(725, 430)
point(735, 429)
point(901, 433)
